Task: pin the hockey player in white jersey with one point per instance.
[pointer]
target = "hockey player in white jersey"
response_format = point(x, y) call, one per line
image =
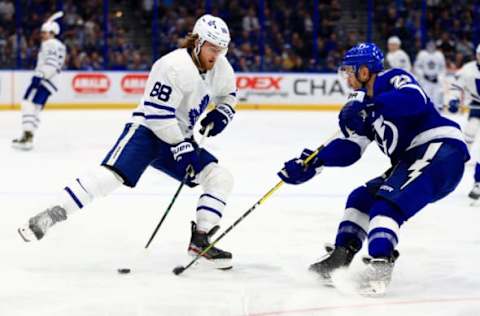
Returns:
point(179, 88)
point(466, 88)
point(396, 57)
point(430, 69)
point(44, 81)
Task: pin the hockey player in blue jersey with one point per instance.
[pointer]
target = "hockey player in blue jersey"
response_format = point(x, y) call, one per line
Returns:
point(427, 154)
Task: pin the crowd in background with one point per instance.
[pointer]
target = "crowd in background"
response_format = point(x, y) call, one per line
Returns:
point(81, 30)
point(450, 24)
point(280, 38)
point(285, 44)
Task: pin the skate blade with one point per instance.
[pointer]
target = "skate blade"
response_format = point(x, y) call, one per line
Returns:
point(23, 147)
point(219, 264)
point(372, 289)
point(327, 282)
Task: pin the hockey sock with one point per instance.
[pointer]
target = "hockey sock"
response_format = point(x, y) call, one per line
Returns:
point(384, 229)
point(471, 129)
point(97, 183)
point(217, 184)
point(477, 172)
point(30, 116)
point(352, 230)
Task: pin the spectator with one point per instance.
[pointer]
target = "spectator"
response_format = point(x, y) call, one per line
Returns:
point(250, 21)
point(283, 31)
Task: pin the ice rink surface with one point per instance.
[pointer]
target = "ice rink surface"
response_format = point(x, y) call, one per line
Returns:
point(73, 270)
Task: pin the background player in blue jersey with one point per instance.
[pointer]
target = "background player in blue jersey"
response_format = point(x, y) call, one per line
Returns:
point(427, 155)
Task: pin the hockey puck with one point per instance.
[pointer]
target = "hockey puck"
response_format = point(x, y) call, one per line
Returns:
point(124, 271)
point(177, 270)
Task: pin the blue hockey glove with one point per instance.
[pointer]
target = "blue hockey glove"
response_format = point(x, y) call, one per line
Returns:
point(352, 116)
point(185, 155)
point(219, 118)
point(295, 171)
point(454, 106)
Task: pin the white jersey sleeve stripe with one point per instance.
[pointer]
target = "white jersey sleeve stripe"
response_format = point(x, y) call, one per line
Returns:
point(456, 87)
point(160, 117)
point(159, 106)
point(154, 116)
point(361, 141)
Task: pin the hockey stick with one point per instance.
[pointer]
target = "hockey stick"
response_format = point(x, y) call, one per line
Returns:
point(180, 269)
point(184, 181)
point(471, 106)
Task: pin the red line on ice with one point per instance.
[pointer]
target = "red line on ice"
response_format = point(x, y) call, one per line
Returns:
point(333, 307)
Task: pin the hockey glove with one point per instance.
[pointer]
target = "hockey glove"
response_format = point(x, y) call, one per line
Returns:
point(219, 118)
point(454, 106)
point(186, 155)
point(296, 172)
point(352, 116)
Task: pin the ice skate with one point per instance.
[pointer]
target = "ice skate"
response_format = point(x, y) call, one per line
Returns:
point(38, 225)
point(219, 258)
point(25, 142)
point(475, 193)
point(335, 258)
point(374, 280)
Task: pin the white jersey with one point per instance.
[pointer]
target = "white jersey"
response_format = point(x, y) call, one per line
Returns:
point(430, 66)
point(399, 59)
point(467, 82)
point(176, 94)
point(50, 62)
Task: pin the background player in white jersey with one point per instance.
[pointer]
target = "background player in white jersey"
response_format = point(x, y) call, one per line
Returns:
point(396, 57)
point(160, 134)
point(49, 64)
point(466, 87)
point(430, 70)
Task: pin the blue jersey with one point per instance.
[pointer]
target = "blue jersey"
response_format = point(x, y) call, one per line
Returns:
point(400, 117)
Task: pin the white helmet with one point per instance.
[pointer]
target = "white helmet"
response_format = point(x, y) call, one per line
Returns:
point(213, 30)
point(394, 40)
point(50, 26)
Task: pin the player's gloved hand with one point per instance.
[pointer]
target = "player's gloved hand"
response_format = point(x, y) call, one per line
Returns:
point(185, 155)
point(352, 116)
point(219, 118)
point(454, 105)
point(296, 172)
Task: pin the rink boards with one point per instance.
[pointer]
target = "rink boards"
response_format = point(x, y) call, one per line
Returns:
point(124, 89)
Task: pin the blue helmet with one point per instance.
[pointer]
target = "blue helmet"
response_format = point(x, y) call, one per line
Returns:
point(364, 54)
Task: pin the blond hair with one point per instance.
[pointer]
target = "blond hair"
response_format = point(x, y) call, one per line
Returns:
point(189, 41)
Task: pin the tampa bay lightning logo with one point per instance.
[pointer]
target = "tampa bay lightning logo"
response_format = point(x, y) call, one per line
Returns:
point(195, 113)
point(386, 135)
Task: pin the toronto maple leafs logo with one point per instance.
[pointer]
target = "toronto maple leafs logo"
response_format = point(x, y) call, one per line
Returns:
point(195, 113)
